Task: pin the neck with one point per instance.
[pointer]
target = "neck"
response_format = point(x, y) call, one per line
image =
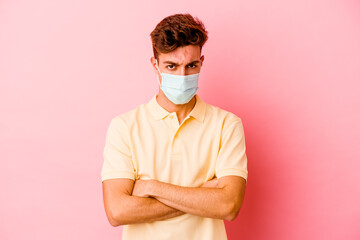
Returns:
point(182, 110)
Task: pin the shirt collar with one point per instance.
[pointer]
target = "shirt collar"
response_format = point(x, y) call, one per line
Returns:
point(198, 112)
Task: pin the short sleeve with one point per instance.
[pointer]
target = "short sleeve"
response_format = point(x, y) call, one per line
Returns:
point(232, 159)
point(117, 154)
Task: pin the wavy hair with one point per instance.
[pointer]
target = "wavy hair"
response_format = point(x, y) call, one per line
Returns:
point(175, 31)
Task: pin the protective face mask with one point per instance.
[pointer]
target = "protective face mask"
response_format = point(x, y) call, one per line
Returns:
point(178, 89)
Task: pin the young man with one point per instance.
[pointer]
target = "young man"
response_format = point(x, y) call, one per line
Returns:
point(175, 167)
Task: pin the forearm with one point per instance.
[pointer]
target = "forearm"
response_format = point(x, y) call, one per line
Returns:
point(143, 210)
point(205, 202)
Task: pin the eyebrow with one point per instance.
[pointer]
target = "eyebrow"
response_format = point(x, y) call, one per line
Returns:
point(176, 64)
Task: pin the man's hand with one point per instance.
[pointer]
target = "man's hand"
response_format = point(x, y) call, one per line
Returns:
point(142, 187)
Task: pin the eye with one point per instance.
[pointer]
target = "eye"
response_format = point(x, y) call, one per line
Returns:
point(171, 67)
point(192, 66)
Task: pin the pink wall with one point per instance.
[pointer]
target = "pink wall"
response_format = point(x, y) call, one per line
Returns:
point(289, 69)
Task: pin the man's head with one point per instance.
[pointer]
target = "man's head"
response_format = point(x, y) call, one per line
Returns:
point(177, 42)
point(175, 31)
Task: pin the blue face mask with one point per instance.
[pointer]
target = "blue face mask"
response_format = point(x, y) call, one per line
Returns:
point(179, 89)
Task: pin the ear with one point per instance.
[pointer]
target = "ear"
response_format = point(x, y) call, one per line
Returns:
point(202, 59)
point(153, 63)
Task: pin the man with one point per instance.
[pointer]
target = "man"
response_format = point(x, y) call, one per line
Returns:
point(175, 167)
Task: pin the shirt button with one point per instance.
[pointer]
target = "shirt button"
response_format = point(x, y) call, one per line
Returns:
point(171, 116)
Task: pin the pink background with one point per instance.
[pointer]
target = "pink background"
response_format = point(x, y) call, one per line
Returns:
point(289, 69)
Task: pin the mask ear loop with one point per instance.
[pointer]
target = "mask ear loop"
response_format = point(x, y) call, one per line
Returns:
point(157, 66)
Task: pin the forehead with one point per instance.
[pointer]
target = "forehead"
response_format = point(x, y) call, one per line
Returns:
point(182, 55)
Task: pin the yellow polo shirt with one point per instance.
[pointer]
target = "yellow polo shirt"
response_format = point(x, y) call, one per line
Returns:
point(149, 143)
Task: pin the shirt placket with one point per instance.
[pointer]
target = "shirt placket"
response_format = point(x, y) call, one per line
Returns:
point(175, 157)
point(175, 128)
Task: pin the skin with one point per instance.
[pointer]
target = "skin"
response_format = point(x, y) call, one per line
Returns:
point(227, 196)
point(140, 201)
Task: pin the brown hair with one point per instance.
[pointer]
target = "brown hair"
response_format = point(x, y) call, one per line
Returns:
point(175, 31)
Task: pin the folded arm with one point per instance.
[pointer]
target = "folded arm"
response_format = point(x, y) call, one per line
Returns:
point(122, 208)
point(223, 201)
